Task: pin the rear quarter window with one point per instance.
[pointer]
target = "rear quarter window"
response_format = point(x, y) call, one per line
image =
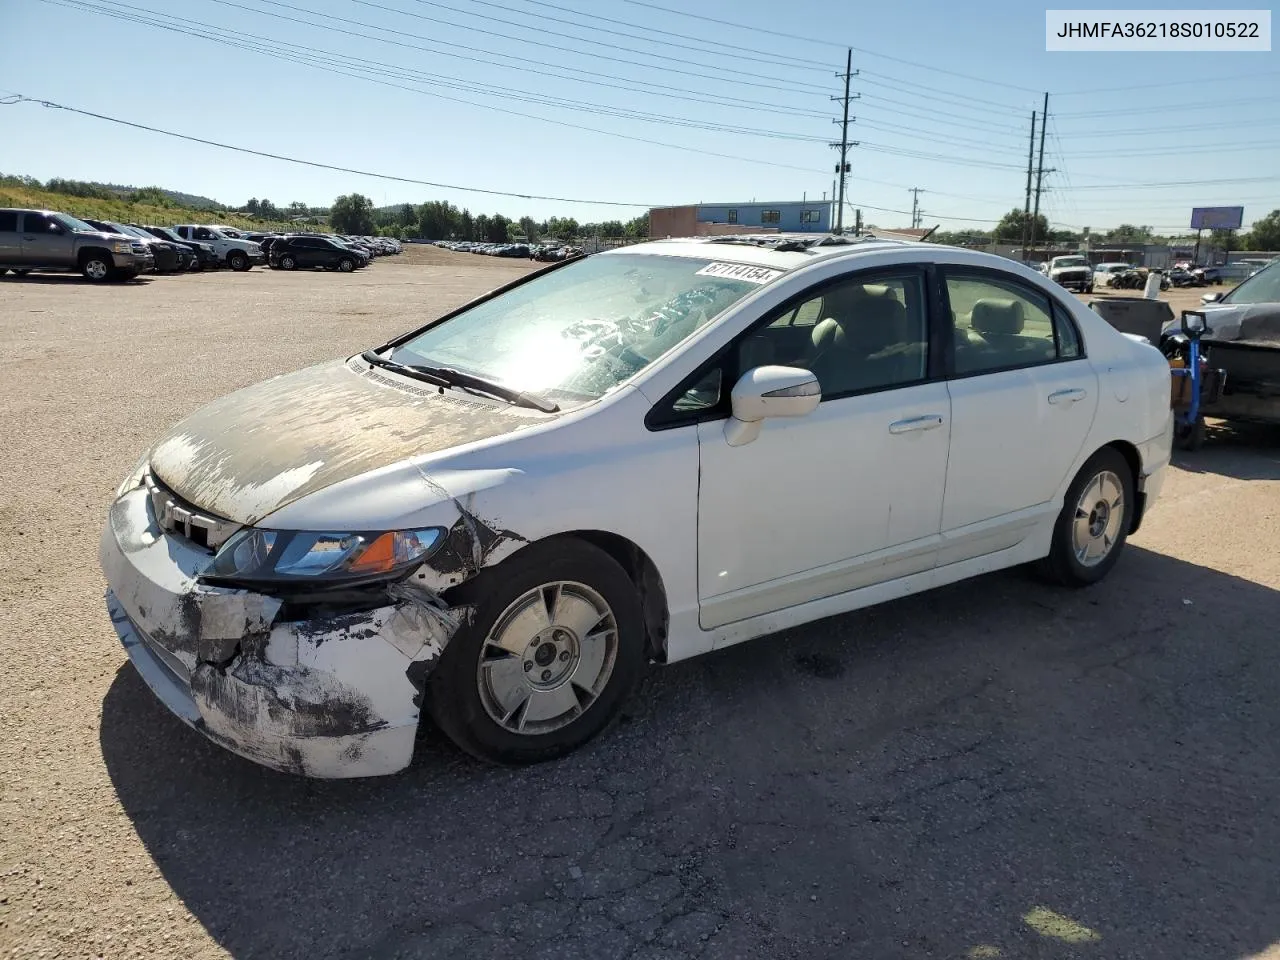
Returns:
point(8, 222)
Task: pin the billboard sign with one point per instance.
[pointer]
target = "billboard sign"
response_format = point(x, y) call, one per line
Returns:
point(1216, 218)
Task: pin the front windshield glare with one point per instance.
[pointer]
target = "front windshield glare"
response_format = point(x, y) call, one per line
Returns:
point(584, 328)
point(74, 225)
point(1262, 287)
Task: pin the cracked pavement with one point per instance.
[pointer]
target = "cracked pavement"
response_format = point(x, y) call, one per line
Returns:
point(909, 781)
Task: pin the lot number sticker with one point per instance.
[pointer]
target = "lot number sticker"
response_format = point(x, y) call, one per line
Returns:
point(740, 271)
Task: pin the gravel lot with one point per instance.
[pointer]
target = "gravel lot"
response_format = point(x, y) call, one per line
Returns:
point(995, 769)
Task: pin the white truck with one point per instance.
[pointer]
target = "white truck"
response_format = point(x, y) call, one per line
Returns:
point(1073, 272)
point(235, 252)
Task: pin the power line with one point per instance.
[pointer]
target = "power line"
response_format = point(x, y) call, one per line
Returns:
point(705, 47)
point(1169, 83)
point(434, 93)
point(1165, 108)
point(793, 88)
point(12, 100)
point(870, 53)
point(587, 76)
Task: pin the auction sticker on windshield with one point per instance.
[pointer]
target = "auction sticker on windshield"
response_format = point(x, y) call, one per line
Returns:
point(740, 271)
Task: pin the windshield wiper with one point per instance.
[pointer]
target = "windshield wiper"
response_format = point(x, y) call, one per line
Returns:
point(449, 377)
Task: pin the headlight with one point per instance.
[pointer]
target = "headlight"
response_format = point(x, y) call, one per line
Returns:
point(135, 479)
point(122, 246)
point(276, 556)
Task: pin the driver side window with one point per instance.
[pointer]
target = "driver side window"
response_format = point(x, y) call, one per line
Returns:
point(860, 334)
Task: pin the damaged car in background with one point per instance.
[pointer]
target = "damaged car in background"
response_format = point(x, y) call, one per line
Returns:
point(499, 518)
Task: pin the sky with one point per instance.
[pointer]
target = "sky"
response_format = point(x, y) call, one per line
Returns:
point(635, 102)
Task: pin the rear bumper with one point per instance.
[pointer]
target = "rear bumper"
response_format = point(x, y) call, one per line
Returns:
point(1155, 455)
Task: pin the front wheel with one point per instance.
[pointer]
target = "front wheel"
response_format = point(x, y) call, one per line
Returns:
point(96, 269)
point(238, 261)
point(346, 264)
point(1093, 526)
point(553, 648)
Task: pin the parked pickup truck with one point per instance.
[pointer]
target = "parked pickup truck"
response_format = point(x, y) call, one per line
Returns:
point(47, 240)
point(236, 253)
point(1074, 273)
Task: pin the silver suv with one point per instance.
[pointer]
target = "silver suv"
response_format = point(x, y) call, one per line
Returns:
point(46, 240)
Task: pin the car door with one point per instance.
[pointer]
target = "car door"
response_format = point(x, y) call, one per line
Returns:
point(1023, 398)
point(45, 241)
point(10, 238)
point(848, 496)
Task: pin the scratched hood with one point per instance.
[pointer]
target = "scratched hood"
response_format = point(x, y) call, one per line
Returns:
point(267, 445)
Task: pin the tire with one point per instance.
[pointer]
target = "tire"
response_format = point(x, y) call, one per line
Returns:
point(3, 271)
point(1096, 529)
point(288, 263)
point(97, 269)
point(1089, 288)
point(346, 264)
point(238, 261)
point(1189, 437)
point(471, 688)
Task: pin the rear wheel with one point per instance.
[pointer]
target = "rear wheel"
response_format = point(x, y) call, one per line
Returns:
point(554, 647)
point(1093, 526)
point(288, 263)
point(238, 260)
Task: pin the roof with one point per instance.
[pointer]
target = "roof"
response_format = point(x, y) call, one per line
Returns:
point(783, 250)
point(747, 203)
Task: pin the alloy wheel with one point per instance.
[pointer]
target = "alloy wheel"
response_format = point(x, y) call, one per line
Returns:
point(547, 658)
point(1099, 514)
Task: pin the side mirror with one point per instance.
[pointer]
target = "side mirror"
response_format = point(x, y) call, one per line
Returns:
point(1211, 297)
point(766, 392)
point(1194, 324)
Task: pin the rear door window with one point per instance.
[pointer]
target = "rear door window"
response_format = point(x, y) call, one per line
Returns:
point(36, 223)
point(8, 221)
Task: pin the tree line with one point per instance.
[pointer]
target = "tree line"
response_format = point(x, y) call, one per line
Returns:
point(1263, 234)
point(440, 220)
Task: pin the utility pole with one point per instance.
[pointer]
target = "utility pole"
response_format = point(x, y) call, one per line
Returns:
point(915, 206)
point(1040, 170)
point(1026, 203)
point(842, 168)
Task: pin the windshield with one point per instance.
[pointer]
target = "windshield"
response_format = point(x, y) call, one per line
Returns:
point(1071, 262)
point(74, 225)
point(164, 232)
point(585, 328)
point(233, 234)
point(1262, 287)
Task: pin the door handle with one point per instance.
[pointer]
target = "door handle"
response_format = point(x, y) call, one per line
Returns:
point(929, 421)
point(1069, 395)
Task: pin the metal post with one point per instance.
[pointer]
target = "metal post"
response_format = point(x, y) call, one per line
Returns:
point(1026, 204)
point(842, 168)
point(915, 206)
point(1044, 125)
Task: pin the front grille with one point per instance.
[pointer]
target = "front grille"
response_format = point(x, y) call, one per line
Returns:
point(181, 519)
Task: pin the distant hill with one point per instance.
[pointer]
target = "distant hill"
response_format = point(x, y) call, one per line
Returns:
point(104, 201)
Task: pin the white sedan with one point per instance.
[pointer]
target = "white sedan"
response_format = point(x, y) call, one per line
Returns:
point(642, 455)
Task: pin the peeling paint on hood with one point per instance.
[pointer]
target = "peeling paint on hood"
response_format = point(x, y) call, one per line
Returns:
point(257, 449)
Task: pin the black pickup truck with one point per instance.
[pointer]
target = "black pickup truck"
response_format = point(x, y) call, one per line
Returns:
point(1243, 340)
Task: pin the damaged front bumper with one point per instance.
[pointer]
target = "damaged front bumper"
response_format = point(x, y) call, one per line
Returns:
point(336, 695)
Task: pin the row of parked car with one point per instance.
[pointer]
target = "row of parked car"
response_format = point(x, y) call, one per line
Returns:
point(547, 252)
point(105, 250)
point(308, 251)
